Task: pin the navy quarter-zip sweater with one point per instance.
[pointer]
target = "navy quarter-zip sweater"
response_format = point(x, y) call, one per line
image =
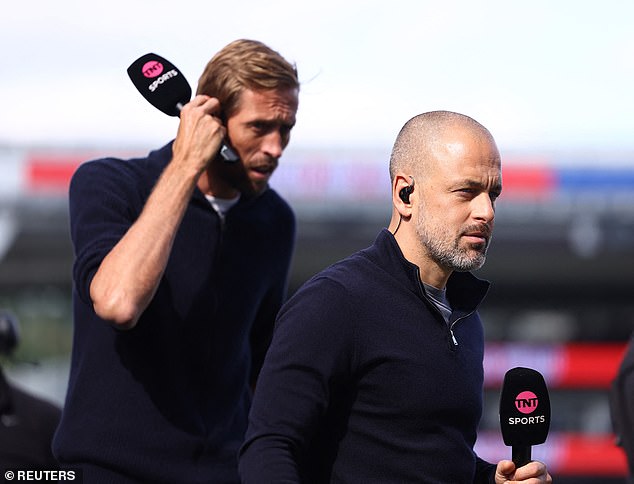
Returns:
point(168, 400)
point(364, 383)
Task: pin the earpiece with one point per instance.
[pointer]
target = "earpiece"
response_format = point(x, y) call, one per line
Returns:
point(8, 333)
point(406, 191)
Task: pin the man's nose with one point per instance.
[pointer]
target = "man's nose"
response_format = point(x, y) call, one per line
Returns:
point(484, 208)
point(273, 145)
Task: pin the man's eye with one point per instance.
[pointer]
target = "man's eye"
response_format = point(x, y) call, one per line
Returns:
point(466, 191)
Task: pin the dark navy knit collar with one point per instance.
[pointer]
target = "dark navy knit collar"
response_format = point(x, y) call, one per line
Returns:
point(464, 290)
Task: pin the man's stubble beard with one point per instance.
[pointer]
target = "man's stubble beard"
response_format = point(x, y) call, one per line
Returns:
point(444, 248)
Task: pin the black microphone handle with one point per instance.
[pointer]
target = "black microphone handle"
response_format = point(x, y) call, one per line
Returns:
point(521, 455)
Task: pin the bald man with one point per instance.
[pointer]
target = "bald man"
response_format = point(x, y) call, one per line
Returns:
point(375, 369)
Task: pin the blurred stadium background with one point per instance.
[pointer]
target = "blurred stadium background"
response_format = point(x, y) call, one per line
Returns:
point(561, 264)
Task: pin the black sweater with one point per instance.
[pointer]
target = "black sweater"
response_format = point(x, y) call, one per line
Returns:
point(364, 383)
point(168, 400)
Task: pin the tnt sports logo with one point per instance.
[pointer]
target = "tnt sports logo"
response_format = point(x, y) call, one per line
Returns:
point(526, 402)
point(152, 69)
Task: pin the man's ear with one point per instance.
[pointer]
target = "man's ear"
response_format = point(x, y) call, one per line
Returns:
point(402, 189)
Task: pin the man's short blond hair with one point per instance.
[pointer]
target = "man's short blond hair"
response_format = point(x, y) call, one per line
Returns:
point(245, 64)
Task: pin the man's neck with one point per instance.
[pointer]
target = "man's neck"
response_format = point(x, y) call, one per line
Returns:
point(211, 186)
point(430, 271)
